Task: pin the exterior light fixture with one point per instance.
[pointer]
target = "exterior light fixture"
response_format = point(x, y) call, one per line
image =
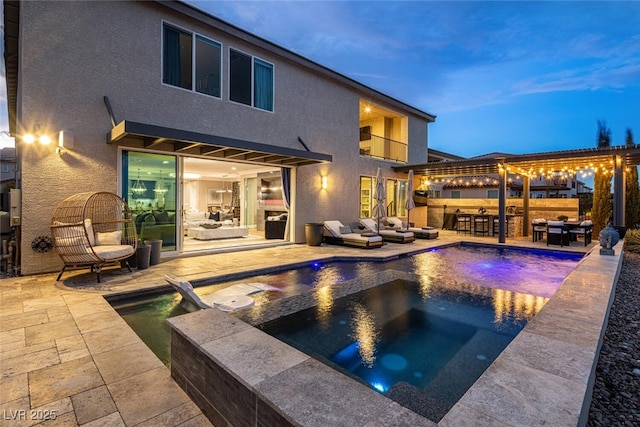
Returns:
point(323, 181)
point(30, 138)
point(65, 141)
point(138, 187)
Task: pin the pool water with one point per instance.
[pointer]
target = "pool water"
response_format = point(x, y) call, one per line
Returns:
point(521, 278)
point(412, 348)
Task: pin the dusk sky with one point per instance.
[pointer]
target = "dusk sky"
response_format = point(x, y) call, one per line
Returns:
point(515, 77)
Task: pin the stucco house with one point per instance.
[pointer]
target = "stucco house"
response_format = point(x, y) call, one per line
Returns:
point(186, 117)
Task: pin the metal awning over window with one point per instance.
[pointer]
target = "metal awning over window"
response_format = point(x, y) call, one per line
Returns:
point(147, 136)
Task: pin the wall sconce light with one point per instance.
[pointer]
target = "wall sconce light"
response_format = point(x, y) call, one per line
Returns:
point(30, 138)
point(65, 141)
point(323, 181)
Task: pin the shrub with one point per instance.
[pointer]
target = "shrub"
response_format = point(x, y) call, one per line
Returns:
point(632, 241)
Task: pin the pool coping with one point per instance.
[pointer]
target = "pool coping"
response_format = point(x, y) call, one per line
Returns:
point(549, 386)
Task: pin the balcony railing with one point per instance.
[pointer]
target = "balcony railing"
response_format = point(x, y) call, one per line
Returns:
point(383, 148)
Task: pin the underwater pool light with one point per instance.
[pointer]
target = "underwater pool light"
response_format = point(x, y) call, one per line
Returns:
point(379, 386)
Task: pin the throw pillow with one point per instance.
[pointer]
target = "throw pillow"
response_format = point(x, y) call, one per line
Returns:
point(215, 216)
point(162, 217)
point(109, 238)
point(345, 229)
point(149, 219)
point(89, 229)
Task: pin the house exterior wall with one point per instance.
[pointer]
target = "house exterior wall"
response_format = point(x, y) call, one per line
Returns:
point(114, 49)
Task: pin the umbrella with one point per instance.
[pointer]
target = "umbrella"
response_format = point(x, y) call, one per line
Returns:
point(409, 204)
point(379, 209)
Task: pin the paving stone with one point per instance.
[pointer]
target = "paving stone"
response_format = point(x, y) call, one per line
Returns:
point(50, 331)
point(111, 420)
point(99, 320)
point(147, 395)
point(23, 319)
point(125, 362)
point(63, 380)
point(20, 349)
point(93, 404)
point(14, 387)
point(102, 340)
point(177, 416)
point(37, 360)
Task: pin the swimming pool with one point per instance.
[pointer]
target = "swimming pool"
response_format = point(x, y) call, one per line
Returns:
point(536, 273)
point(421, 347)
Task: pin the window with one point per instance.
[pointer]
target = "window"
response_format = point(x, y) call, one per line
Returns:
point(455, 194)
point(5, 167)
point(250, 81)
point(366, 196)
point(200, 72)
point(492, 194)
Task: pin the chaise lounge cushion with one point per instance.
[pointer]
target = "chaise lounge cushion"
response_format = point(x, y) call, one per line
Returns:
point(395, 236)
point(333, 234)
point(421, 233)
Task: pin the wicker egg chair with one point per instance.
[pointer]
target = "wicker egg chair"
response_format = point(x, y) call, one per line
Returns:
point(92, 230)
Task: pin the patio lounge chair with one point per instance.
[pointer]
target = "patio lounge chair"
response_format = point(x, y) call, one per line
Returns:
point(390, 235)
point(419, 233)
point(333, 234)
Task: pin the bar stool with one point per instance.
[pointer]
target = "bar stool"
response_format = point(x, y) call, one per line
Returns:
point(464, 223)
point(496, 226)
point(481, 225)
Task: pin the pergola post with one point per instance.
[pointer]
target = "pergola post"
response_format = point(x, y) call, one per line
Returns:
point(502, 202)
point(526, 190)
point(618, 191)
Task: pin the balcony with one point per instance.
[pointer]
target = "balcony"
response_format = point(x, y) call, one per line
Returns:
point(383, 132)
point(382, 148)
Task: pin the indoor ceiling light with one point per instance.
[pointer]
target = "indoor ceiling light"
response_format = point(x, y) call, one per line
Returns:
point(138, 187)
point(160, 187)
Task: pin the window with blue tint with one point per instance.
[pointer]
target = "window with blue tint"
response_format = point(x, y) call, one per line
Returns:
point(250, 81)
point(176, 58)
point(455, 194)
point(208, 66)
point(263, 85)
point(182, 53)
point(492, 194)
point(239, 77)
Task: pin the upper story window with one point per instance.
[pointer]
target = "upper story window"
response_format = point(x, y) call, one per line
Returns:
point(250, 80)
point(191, 61)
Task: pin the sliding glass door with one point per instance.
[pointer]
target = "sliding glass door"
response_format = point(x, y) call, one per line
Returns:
point(149, 186)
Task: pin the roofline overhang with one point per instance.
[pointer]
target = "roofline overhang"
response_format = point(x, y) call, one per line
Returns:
point(149, 136)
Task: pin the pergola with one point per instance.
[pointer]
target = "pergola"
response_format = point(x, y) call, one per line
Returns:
point(614, 159)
